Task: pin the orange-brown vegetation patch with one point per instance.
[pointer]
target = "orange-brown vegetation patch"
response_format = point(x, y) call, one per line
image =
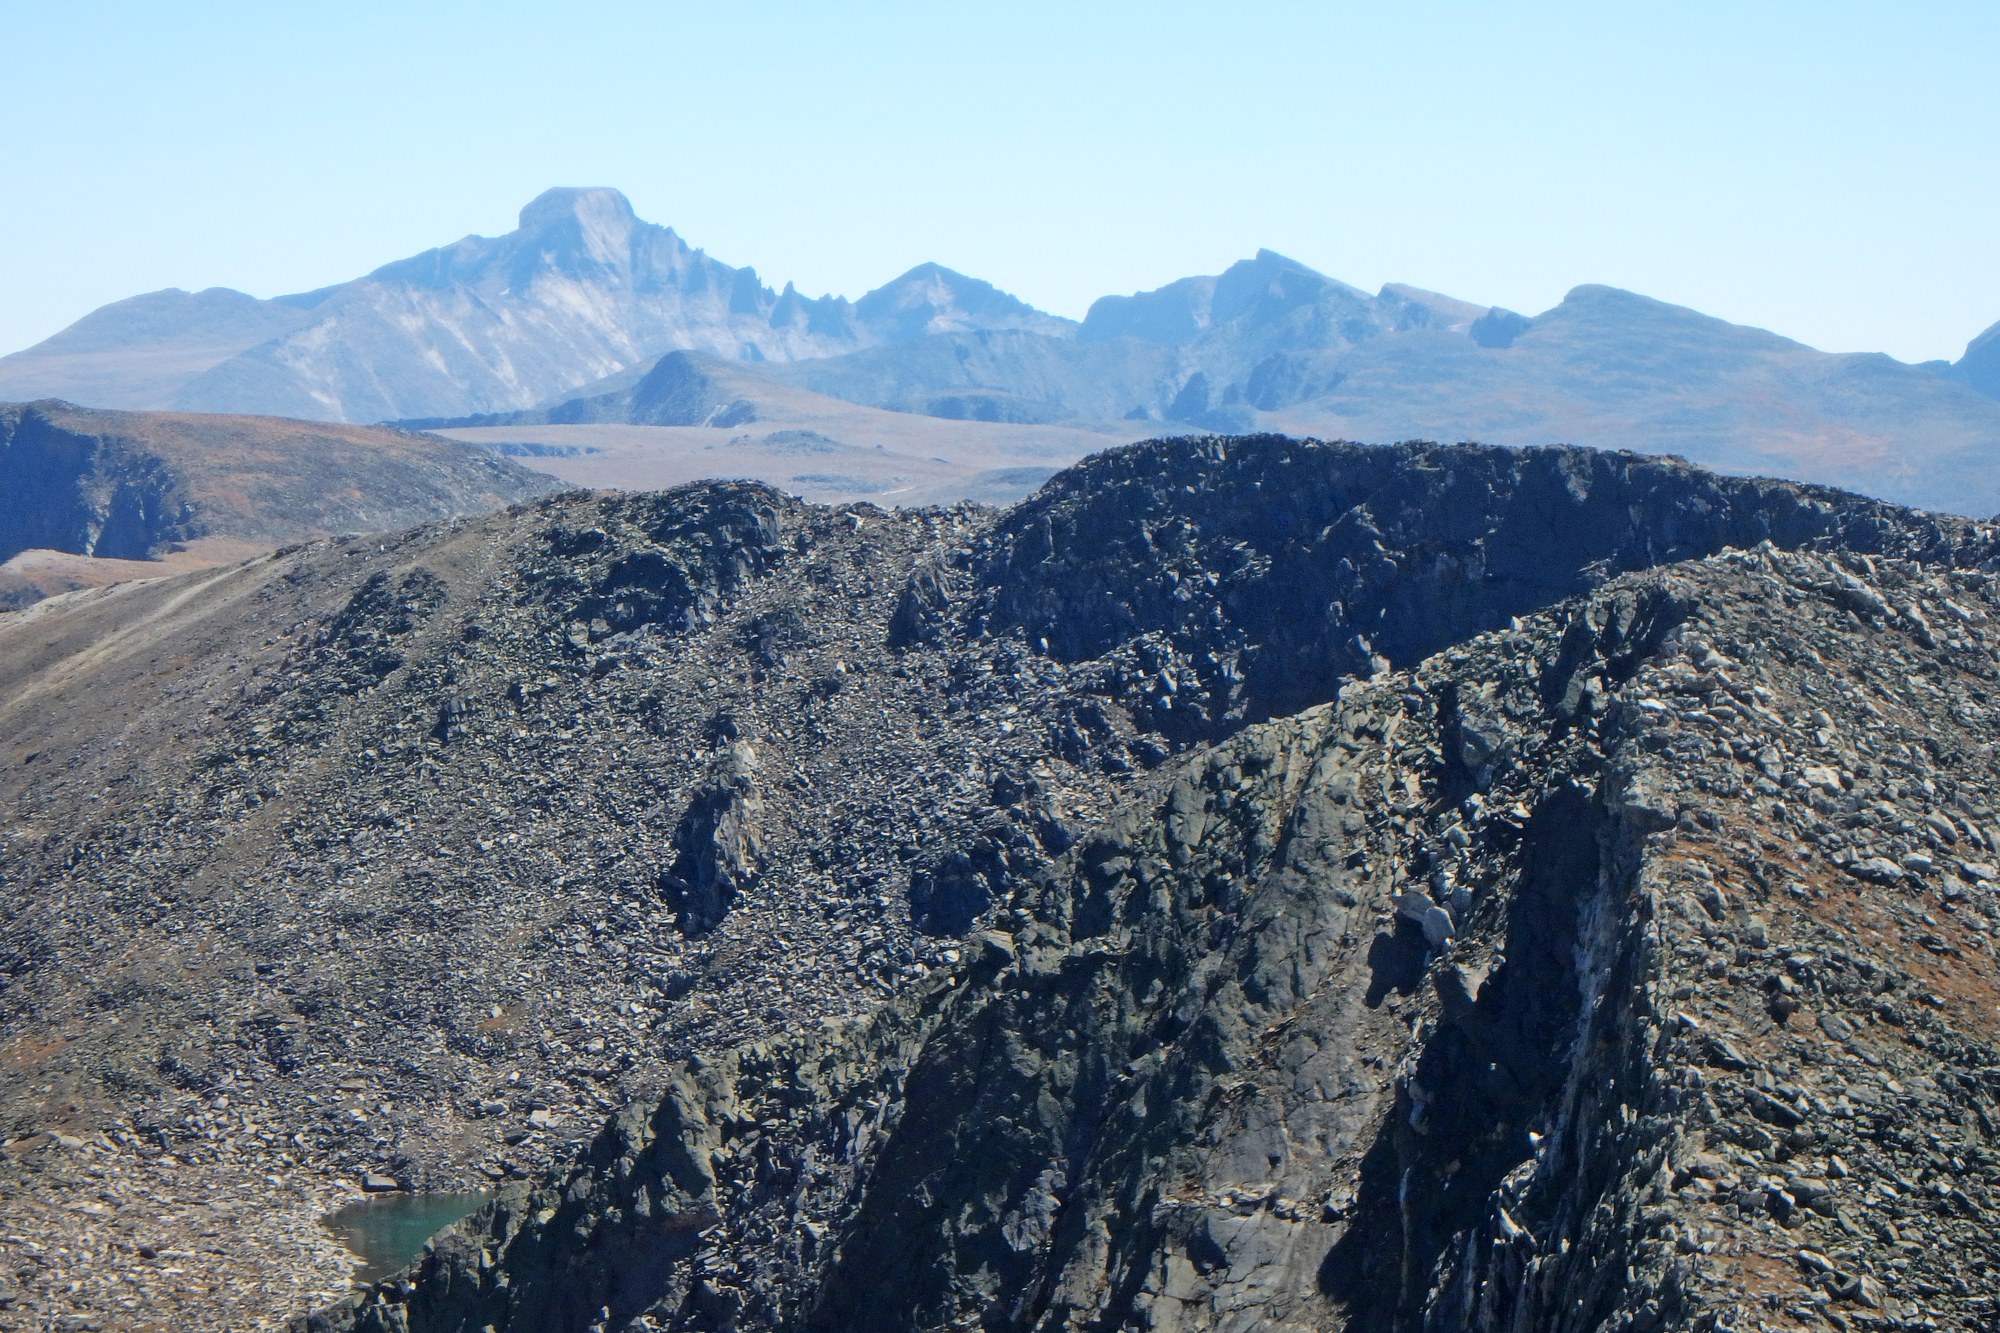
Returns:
point(29, 1052)
point(1757, 1275)
point(1945, 953)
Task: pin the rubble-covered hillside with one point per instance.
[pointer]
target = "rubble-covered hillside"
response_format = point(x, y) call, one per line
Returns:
point(1630, 969)
point(973, 919)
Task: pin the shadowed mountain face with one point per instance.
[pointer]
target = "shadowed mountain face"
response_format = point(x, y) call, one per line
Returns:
point(680, 389)
point(1980, 366)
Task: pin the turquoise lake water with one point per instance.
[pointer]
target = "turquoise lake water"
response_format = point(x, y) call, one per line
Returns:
point(389, 1230)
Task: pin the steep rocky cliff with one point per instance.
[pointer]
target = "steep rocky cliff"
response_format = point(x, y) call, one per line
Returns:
point(1630, 969)
point(1256, 882)
point(79, 492)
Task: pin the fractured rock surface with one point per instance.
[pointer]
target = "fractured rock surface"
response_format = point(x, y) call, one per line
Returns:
point(1686, 1056)
point(1506, 916)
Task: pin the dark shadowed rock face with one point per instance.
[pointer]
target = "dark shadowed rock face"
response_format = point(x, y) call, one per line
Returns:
point(126, 485)
point(1627, 967)
point(1980, 366)
point(68, 490)
point(715, 847)
point(1245, 577)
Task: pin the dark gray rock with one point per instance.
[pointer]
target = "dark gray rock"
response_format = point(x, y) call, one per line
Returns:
point(716, 854)
point(1190, 1065)
point(1205, 1084)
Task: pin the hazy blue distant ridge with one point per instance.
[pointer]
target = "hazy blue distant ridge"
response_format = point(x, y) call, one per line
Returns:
point(567, 318)
point(580, 291)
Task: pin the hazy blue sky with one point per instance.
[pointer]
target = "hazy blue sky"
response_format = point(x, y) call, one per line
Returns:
point(1826, 170)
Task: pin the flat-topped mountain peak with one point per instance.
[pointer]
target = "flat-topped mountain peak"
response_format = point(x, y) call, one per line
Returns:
point(595, 204)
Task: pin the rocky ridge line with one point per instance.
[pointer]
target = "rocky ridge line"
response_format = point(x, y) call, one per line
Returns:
point(1632, 969)
point(392, 834)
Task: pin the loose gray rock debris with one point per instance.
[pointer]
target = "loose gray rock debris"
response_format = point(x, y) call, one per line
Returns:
point(1256, 883)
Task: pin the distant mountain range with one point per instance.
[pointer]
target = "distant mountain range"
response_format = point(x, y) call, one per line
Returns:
point(586, 314)
point(580, 291)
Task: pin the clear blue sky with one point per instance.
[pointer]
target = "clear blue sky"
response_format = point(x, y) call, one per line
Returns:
point(1826, 170)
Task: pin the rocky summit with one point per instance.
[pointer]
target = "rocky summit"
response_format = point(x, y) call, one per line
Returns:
point(1254, 883)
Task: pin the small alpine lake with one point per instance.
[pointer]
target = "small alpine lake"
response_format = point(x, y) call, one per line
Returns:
point(387, 1231)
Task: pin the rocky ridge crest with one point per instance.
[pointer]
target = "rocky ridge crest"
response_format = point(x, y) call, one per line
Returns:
point(431, 851)
point(1628, 969)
